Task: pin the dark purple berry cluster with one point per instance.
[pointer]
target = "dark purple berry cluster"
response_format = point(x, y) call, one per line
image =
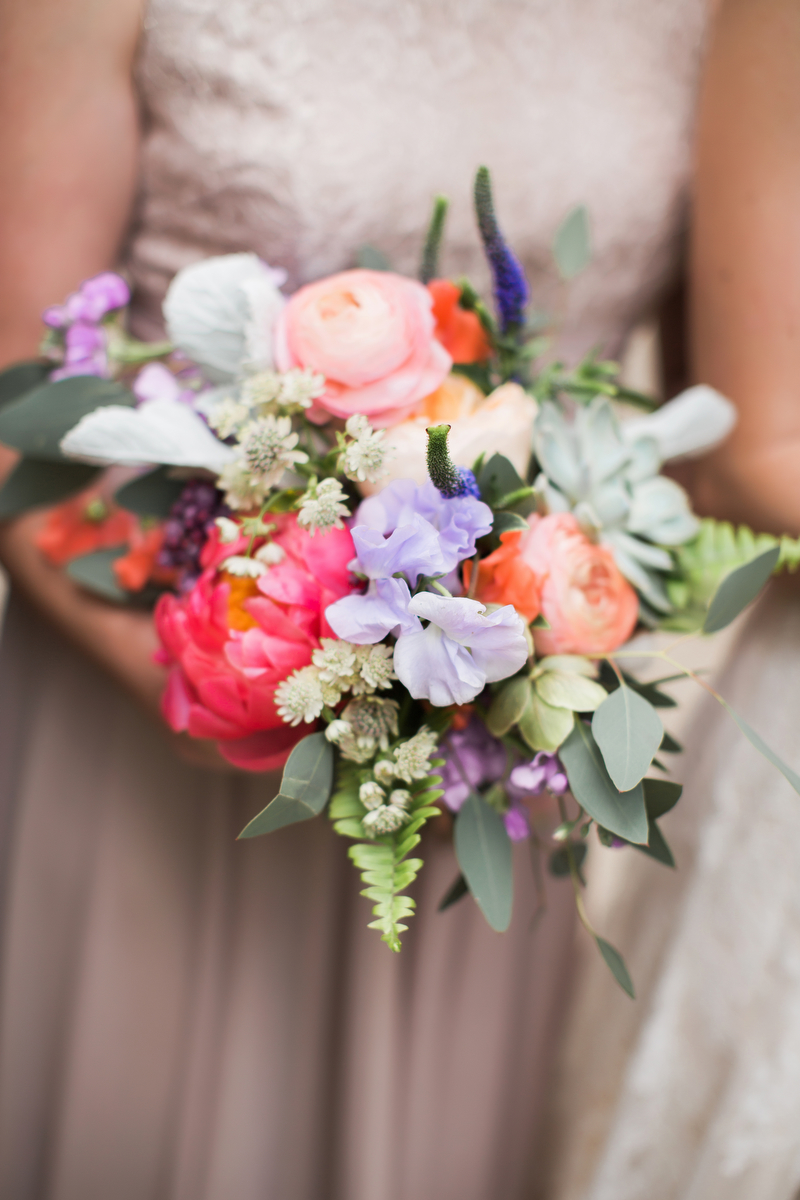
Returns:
point(187, 527)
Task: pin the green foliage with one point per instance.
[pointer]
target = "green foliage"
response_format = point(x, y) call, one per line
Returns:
point(739, 589)
point(151, 495)
point(35, 483)
point(702, 563)
point(661, 795)
point(616, 965)
point(498, 480)
point(457, 890)
point(429, 267)
point(368, 258)
point(36, 422)
point(443, 473)
point(383, 862)
point(483, 850)
point(559, 862)
point(305, 787)
point(508, 705)
point(572, 249)
point(650, 691)
point(592, 377)
point(623, 813)
point(628, 731)
point(505, 521)
point(95, 572)
point(762, 747)
point(22, 377)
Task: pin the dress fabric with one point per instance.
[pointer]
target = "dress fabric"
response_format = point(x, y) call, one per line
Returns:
point(184, 1017)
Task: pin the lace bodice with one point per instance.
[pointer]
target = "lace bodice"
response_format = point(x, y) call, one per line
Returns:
point(303, 129)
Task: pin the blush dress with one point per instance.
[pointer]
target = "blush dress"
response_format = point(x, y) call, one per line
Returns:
point(185, 1017)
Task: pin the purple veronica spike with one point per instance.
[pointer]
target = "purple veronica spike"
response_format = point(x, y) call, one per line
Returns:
point(511, 290)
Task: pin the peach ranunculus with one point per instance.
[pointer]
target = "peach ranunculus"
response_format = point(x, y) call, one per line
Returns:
point(500, 423)
point(232, 640)
point(575, 584)
point(459, 331)
point(371, 334)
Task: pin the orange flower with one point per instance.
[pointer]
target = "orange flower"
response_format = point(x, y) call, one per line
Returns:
point(138, 566)
point(82, 525)
point(504, 577)
point(459, 331)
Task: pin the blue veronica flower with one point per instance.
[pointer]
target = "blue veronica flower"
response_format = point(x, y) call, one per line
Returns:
point(511, 292)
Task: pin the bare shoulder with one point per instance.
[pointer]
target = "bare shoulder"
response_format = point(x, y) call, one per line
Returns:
point(36, 34)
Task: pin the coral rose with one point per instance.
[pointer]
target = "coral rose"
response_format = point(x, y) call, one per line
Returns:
point(459, 331)
point(371, 334)
point(232, 640)
point(500, 423)
point(576, 585)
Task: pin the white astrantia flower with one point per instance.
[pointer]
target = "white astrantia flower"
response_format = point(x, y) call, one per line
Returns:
point(323, 507)
point(242, 489)
point(300, 387)
point(271, 554)
point(299, 698)
point(371, 794)
point(239, 564)
point(412, 758)
point(384, 771)
point(386, 819)
point(267, 447)
point(364, 727)
point(400, 798)
point(336, 662)
point(228, 417)
point(221, 313)
point(158, 431)
point(363, 458)
point(228, 530)
point(607, 473)
point(376, 667)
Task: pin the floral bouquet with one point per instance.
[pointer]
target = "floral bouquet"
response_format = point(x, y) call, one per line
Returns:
point(393, 548)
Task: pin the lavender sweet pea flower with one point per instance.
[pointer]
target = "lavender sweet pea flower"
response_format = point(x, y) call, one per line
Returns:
point(94, 299)
point(369, 618)
point(412, 549)
point(458, 521)
point(516, 823)
point(473, 758)
point(543, 771)
point(84, 351)
point(460, 651)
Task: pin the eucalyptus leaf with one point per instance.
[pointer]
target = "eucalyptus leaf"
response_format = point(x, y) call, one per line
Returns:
point(574, 663)
point(509, 705)
point(616, 965)
point(623, 813)
point(763, 748)
point(151, 495)
point(564, 689)
point(34, 483)
point(21, 378)
point(305, 788)
point(95, 572)
point(657, 847)
point(629, 732)
point(483, 849)
point(660, 795)
point(458, 888)
point(559, 864)
point(572, 245)
point(543, 726)
point(509, 521)
point(37, 421)
point(669, 744)
point(369, 258)
point(738, 589)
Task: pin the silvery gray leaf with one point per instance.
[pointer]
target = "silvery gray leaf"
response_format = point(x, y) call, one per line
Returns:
point(656, 503)
point(691, 424)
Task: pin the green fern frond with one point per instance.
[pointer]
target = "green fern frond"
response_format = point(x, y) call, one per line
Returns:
point(385, 868)
point(702, 563)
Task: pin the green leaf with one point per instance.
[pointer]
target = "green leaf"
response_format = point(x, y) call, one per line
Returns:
point(305, 787)
point(657, 847)
point(623, 813)
point(429, 267)
point(629, 732)
point(497, 478)
point(34, 483)
point(508, 521)
point(616, 965)
point(21, 378)
point(574, 663)
point(572, 245)
point(457, 889)
point(660, 795)
point(568, 689)
point(650, 691)
point(669, 745)
point(369, 258)
point(151, 495)
point(543, 726)
point(95, 572)
point(763, 748)
point(559, 864)
point(739, 589)
point(483, 850)
point(36, 423)
point(508, 705)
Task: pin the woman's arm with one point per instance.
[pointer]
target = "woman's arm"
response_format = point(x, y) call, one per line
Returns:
point(745, 260)
point(67, 176)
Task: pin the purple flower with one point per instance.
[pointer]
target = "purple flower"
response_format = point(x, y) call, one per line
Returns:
point(473, 758)
point(542, 772)
point(458, 522)
point(511, 291)
point(157, 382)
point(84, 351)
point(94, 299)
point(187, 527)
point(516, 823)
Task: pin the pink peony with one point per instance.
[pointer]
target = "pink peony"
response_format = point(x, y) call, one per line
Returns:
point(372, 335)
point(590, 607)
point(231, 641)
